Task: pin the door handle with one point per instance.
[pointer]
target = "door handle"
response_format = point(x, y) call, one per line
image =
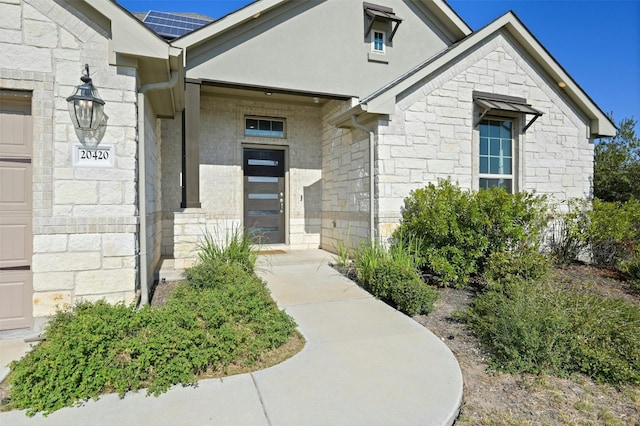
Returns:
point(281, 202)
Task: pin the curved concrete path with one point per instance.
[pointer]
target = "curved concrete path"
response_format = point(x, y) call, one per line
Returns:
point(364, 364)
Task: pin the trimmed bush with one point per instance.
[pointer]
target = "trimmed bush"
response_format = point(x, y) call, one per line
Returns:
point(402, 286)
point(458, 230)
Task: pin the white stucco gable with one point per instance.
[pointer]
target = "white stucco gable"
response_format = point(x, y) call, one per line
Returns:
point(321, 47)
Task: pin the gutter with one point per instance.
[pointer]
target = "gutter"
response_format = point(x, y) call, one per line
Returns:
point(142, 184)
point(356, 123)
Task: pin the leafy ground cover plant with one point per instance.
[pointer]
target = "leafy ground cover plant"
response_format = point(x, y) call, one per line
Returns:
point(549, 327)
point(222, 315)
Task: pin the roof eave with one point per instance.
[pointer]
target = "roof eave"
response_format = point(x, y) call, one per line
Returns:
point(252, 11)
point(600, 124)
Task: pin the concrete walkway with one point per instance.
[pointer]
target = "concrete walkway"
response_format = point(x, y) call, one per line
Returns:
point(364, 364)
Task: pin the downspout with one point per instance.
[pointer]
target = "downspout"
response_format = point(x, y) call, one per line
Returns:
point(142, 184)
point(354, 121)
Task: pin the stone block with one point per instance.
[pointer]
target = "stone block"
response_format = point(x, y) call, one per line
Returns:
point(105, 281)
point(61, 262)
point(10, 17)
point(110, 192)
point(25, 58)
point(118, 244)
point(49, 243)
point(40, 34)
point(47, 303)
point(85, 242)
point(52, 281)
point(75, 192)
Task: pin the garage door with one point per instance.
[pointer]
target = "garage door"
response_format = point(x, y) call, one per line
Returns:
point(16, 240)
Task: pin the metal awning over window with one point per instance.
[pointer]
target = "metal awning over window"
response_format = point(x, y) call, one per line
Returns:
point(381, 13)
point(491, 102)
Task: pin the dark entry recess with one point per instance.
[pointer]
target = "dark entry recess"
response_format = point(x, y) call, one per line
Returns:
point(264, 195)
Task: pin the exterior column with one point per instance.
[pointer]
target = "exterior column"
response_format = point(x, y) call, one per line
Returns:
point(191, 146)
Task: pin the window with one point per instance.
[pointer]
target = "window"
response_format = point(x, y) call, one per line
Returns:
point(377, 41)
point(496, 154)
point(264, 127)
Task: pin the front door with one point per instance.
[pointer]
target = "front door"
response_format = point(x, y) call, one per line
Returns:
point(16, 291)
point(264, 195)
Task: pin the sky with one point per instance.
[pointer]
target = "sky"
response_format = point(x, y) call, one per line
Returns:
point(596, 41)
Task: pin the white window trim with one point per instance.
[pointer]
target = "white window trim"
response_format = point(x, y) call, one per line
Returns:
point(514, 176)
point(373, 41)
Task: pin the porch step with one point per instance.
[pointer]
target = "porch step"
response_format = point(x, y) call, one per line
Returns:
point(168, 272)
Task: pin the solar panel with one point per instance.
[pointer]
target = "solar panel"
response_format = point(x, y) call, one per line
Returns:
point(171, 25)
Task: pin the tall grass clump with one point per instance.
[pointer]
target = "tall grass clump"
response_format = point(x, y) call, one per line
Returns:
point(458, 230)
point(235, 248)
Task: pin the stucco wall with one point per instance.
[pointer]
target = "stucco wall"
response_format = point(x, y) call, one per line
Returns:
point(431, 135)
point(84, 221)
point(221, 177)
point(319, 46)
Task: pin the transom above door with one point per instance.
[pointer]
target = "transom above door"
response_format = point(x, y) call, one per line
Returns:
point(264, 195)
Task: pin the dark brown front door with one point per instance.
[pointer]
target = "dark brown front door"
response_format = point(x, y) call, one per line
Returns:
point(264, 195)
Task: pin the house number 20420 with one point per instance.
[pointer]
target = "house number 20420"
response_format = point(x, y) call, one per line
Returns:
point(98, 154)
point(94, 158)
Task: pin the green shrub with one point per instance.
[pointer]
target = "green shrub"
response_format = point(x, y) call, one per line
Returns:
point(94, 348)
point(614, 231)
point(391, 274)
point(632, 269)
point(413, 296)
point(559, 329)
point(567, 234)
point(457, 230)
point(506, 269)
point(399, 284)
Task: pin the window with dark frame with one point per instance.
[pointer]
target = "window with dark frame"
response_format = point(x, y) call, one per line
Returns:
point(264, 127)
point(496, 154)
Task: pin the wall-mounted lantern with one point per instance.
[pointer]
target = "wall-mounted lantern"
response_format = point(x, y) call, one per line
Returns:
point(87, 112)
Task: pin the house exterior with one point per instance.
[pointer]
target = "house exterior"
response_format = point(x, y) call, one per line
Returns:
point(306, 123)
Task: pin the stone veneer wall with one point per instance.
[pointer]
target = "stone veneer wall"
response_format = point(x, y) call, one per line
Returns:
point(221, 177)
point(431, 134)
point(84, 219)
point(153, 178)
point(345, 170)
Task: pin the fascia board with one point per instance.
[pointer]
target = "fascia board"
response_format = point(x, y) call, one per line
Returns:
point(248, 13)
point(452, 21)
point(125, 28)
point(600, 123)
